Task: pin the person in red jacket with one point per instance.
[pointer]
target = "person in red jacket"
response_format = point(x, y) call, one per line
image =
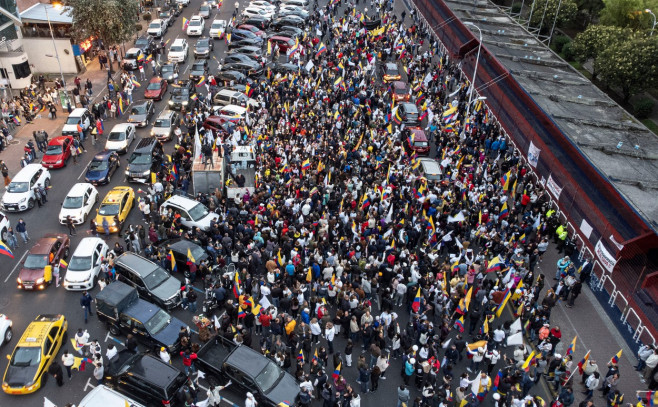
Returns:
point(265, 319)
point(188, 362)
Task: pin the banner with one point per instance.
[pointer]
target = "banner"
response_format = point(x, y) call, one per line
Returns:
point(553, 187)
point(533, 155)
point(607, 259)
point(515, 339)
point(586, 228)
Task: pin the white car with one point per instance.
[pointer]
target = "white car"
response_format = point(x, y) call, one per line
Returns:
point(85, 264)
point(259, 12)
point(5, 329)
point(193, 213)
point(196, 26)
point(157, 28)
point(183, 2)
point(20, 191)
point(4, 227)
point(120, 137)
point(179, 50)
point(262, 5)
point(78, 203)
point(218, 29)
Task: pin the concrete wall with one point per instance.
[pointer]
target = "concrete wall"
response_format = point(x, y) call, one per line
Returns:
point(41, 55)
point(7, 59)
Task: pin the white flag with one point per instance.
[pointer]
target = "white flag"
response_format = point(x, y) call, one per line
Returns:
point(515, 339)
point(516, 326)
point(533, 155)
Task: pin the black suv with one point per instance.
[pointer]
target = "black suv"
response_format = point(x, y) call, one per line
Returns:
point(198, 69)
point(146, 158)
point(153, 283)
point(145, 378)
point(146, 44)
point(169, 72)
point(181, 96)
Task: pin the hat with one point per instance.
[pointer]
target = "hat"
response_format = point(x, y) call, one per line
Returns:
point(480, 349)
point(547, 325)
point(162, 349)
point(415, 348)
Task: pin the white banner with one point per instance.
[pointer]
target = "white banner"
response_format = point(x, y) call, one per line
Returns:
point(515, 339)
point(553, 187)
point(586, 228)
point(606, 258)
point(533, 155)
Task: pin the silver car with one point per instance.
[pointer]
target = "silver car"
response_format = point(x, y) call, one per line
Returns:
point(164, 125)
point(140, 113)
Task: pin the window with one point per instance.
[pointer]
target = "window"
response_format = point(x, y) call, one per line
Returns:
point(48, 345)
point(125, 320)
point(22, 70)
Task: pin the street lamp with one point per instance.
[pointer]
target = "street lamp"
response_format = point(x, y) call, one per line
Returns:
point(654, 20)
point(56, 6)
point(475, 71)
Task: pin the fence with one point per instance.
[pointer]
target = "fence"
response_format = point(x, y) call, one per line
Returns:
point(582, 200)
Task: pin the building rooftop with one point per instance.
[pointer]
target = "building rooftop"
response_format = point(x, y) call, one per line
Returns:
point(594, 122)
point(37, 14)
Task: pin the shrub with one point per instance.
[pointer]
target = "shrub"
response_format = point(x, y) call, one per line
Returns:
point(147, 17)
point(568, 51)
point(560, 41)
point(138, 27)
point(643, 108)
point(516, 8)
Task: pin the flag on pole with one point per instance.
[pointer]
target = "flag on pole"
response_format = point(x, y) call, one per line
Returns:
point(504, 180)
point(459, 324)
point(615, 359)
point(528, 361)
point(300, 356)
point(322, 48)
point(190, 258)
point(572, 346)
point(336, 372)
point(416, 304)
point(582, 362)
point(174, 267)
point(503, 211)
point(236, 285)
point(502, 304)
point(495, 264)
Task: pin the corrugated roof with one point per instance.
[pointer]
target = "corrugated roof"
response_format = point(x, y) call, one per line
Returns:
point(591, 119)
point(37, 14)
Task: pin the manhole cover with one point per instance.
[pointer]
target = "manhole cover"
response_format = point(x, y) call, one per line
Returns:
point(4, 302)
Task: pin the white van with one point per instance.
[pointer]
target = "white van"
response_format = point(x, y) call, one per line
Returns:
point(79, 116)
point(193, 213)
point(20, 191)
point(101, 396)
point(232, 113)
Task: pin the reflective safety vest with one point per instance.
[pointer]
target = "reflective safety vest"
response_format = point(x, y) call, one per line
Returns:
point(561, 232)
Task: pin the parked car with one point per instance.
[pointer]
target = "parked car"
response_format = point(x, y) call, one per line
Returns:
point(217, 29)
point(6, 333)
point(156, 88)
point(257, 21)
point(120, 138)
point(284, 43)
point(290, 19)
point(102, 167)
point(123, 312)
point(203, 48)
point(146, 378)
point(37, 270)
point(5, 224)
point(85, 264)
point(179, 247)
point(179, 50)
point(249, 68)
point(239, 35)
point(204, 10)
point(145, 159)
point(253, 29)
point(19, 195)
point(230, 75)
point(259, 12)
point(245, 43)
point(58, 152)
point(27, 370)
point(157, 28)
point(79, 117)
point(141, 112)
point(253, 53)
point(153, 283)
point(145, 43)
point(78, 203)
point(167, 16)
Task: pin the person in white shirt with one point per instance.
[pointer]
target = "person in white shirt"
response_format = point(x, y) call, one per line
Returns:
point(164, 355)
point(250, 401)
point(68, 360)
point(111, 351)
point(214, 398)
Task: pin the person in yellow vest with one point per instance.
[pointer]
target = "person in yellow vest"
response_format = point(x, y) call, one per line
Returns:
point(562, 234)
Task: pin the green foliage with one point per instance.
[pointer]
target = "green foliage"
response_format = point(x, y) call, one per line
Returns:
point(630, 65)
point(138, 27)
point(643, 108)
point(147, 17)
point(590, 43)
point(547, 9)
point(589, 9)
point(568, 52)
point(560, 41)
point(516, 7)
point(628, 13)
point(113, 21)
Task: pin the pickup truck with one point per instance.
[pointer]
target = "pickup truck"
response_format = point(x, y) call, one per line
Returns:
point(249, 370)
point(120, 308)
point(240, 162)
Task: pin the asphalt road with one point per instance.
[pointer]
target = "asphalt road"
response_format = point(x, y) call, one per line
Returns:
point(22, 307)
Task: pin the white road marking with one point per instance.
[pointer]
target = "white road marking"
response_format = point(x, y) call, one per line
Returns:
point(82, 173)
point(88, 385)
point(16, 266)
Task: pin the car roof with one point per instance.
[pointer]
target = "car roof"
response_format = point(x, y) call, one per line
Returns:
point(180, 245)
point(58, 140)
point(102, 396)
point(116, 194)
point(419, 134)
point(78, 112)
point(197, 17)
point(179, 41)
point(103, 155)
point(409, 107)
point(27, 173)
point(430, 165)
point(391, 65)
point(36, 332)
point(399, 85)
point(166, 114)
point(135, 49)
point(219, 21)
point(87, 246)
point(43, 245)
point(243, 358)
point(182, 201)
point(154, 371)
point(121, 127)
point(136, 263)
point(280, 37)
point(157, 20)
point(78, 189)
point(155, 79)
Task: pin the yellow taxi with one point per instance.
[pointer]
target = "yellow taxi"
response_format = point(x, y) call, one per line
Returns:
point(28, 364)
point(117, 203)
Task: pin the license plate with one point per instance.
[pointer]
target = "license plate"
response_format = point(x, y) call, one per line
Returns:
point(50, 166)
point(27, 287)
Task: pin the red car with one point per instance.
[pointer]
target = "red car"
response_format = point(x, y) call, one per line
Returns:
point(416, 141)
point(401, 91)
point(253, 29)
point(36, 271)
point(58, 152)
point(156, 88)
point(284, 42)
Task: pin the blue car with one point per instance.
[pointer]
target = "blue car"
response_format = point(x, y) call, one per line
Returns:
point(239, 35)
point(102, 167)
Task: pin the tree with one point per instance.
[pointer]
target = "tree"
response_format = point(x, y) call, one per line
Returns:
point(590, 43)
point(589, 9)
point(111, 21)
point(626, 13)
point(630, 65)
point(543, 13)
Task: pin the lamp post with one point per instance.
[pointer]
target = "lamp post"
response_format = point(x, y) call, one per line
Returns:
point(654, 20)
point(56, 6)
point(475, 71)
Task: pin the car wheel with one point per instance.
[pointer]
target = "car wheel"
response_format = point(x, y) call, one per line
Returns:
point(46, 183)
point(114, 330)
point(4, 235)
point(30, 203)
point(8, 335)
point(44, 379)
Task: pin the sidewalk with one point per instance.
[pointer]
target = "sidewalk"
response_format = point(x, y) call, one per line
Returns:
point(14, 152)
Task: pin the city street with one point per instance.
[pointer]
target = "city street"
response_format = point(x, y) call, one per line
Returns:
point(587, 320)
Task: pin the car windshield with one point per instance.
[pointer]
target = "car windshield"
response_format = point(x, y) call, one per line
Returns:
point(218, 24)
point(73, 120)
point(155, 278)
point(204, 8)
point(131, 55)
point(179, 91)
point(391, 70)
point(18, 187)
point(176, 48)
point(72, 202)
point(139, 109)
point(36, 261)
point(78, 263)
point(108, 209)
point(138, 158)
point(401, 91)
point(98, 165)
point(167, 69)
point(56, 149)
point(26, 356)
point(197, 67)
point(268, 376)
point(154, 25)
point(195, 23)
point(202, 43)
point(153, 86)
point(159, 321)
point(142, 43)
point(162, 123)
point(420, 143)
point(199, 211)
point(117, 136)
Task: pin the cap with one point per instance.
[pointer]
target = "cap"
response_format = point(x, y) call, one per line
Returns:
point(162, 349)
